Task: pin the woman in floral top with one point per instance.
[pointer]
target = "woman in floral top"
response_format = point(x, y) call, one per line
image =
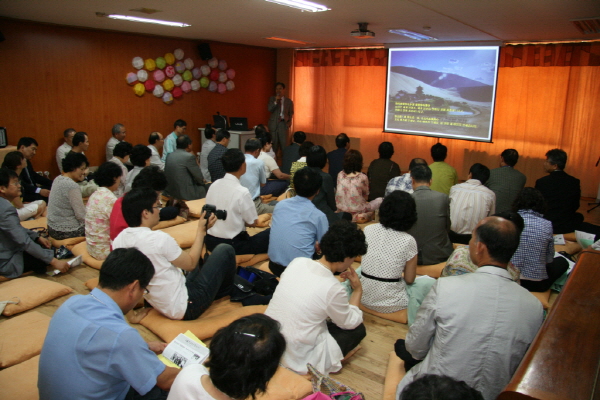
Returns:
point(99, 206)
point(353, 189)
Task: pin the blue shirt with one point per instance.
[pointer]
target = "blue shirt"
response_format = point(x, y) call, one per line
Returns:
point(254, 176)
point(536, 247)
point(296, 225)
point(90, 352)
point(169, 146)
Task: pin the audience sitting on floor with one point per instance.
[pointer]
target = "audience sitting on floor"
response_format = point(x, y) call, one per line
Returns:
point(470, 202)
point(170, 292)
point(300, 162)
point(404, 182)
point(290, 153)
point(207, 146)
point(155, 144)
point(121, 155)
point(35, 186)
point(433, 223)
point(140, 158)
point(244, 356)
point(391, 260)
point(353, 189)
point(336, 157)
point(444, 175)
point(118, 135)
point(297, 225)
point(100, 355)
point(439, 387)
point(276, 186)
point(254, 178)
point(228, 194)
point(66, 211)
point(81, 143)
point(309, 294)
point(21, 250)
point(185, 180)
point(98, 210)
point(66, 147)
point(259, 131)
point(382, 170)
point(215, 166)
point(15, 161)
point(506, 182)
point(170, 144)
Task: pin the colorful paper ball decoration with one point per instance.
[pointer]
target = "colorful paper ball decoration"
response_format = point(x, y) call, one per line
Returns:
point(177, 92)
point(214, 75)
point(149, 85)
point(168, 85)
point(212, 86)
point(222, 77)
point(222, 65)
point(138, 62)
point(205, 70)
point(197, 73)
point(158, 91)
point(178, 54)
point(230, 73)
point(161, 63)
point(213, 62)
point(169, 58)
point(187, 75)
point(142, 75)
point(170, 71)
point(177, 80)
point(139, 89)
point(131, 78)
point(222, 88)
point(167, 98)
point(150, 64)
point(204, 81)
point(179, 67)
point(158, 75)
point(189, 63)
point(230, 85)
point(187, 87)
point(195, 86)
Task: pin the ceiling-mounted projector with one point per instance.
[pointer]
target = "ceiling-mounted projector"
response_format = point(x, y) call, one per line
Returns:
point(362, 32)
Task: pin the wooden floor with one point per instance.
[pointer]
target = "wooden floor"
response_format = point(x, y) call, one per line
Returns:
point(365, 371)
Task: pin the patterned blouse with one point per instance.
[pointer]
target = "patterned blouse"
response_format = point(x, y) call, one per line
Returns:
point(352, 193)
point(97, 222)
point(460, 263)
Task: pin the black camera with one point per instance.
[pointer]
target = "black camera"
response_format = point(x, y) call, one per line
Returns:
point(210, 209)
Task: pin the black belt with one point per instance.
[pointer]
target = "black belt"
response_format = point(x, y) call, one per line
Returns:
point(380, 279)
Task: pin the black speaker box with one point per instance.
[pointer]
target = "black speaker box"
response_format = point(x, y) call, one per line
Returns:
point(204, 50)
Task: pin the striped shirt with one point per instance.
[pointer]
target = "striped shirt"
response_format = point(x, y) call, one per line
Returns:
point(470, 202)
point(536, 248)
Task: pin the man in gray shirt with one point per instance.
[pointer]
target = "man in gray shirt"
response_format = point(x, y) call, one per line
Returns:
point(506, 182)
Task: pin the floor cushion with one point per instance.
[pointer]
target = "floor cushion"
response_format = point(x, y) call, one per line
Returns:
point(195, 207)
point(31, 292)
point(398, 316)
point(184, 234)
point(80, 249)
point(171, 222)
point(4, 279)
point(20, 381)
point(393, 376)
point(22, 337)
point(41, 222)
point(91, 283)
point(68, 243)
point(285, 385)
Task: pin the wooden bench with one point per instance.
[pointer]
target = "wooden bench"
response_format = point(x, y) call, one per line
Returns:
point(564, 359)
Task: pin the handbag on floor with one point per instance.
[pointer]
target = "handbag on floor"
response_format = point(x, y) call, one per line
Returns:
point(330, 388)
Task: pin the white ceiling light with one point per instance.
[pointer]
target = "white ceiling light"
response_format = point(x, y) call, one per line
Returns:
point(302, 5)
point(411, 34)
point(145, 20)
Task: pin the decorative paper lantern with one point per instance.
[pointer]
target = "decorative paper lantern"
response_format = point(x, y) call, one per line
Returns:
point(142, 75)
point(178, 54)
point(214, 75)
point(169, 58)
point(187, 87)
point(195, 85)
point(138, 62)
point(149, 85)
point(167, 98)
point(161, 63)
point(212, 86)
point(150, 64)
point(222, 65)
point(131, 78)
point(230, 85)
point(230, 73)
point(222, 77)
point(221, 88)
point(168, 85)
point(189, 63)
point(179, 67)
point(213, 62)
point(205, 70)
point(187, 75)
point(177, 80)
point(158, 91)
point(197, 73)
point(158, 75)
point(177, 92)
point(170, 71)
point(139, 89)
point(204, 81)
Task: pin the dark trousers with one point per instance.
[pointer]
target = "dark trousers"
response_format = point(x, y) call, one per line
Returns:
point(347, 339)
point(276, 269)
point(275, 187)
point(242, 243)
point(459, 237)
point(155, 394)
point(30, 263)
point(400, 349)
point(555, 270)
point(210, 281)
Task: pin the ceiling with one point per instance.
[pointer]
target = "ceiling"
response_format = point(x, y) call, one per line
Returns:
point(251, 21)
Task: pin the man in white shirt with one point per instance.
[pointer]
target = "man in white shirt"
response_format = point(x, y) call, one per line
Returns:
point(470, 202)
point(118, 135)
point(121, 157)
point(228, 194)
point(274, 187)
point(207, 146)
point(156, 144)
point(170, 292)
point(64, 148)
point(255, 177)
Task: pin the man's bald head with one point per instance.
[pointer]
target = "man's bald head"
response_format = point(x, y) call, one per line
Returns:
point(500, 237)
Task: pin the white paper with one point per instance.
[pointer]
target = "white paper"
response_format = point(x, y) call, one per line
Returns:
point(183, 351)
point(584, 239)
point(559, 239)
point(74, 262)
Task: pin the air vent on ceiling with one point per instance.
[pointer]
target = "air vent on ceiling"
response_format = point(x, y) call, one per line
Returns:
point(145, 10)
point(587, 26)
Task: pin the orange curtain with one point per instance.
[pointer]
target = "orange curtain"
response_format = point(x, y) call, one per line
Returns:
point(537, 108)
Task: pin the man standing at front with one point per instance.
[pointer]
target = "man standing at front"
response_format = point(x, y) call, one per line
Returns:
point(475, 327)
point(282, 112)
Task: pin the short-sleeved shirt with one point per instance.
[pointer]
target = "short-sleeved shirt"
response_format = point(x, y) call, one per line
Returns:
point(296, 225)
point(215, 166)
point(470, 202)
point(90, 352)
point(110, 147)
point(61, 153)
point(536, 248)
point(167, 291)
point(254, 176)
point(443, 177)
point(270, 163)
point(169, 146)
point(402, 182)
point(188, 384)
point(155, 157)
